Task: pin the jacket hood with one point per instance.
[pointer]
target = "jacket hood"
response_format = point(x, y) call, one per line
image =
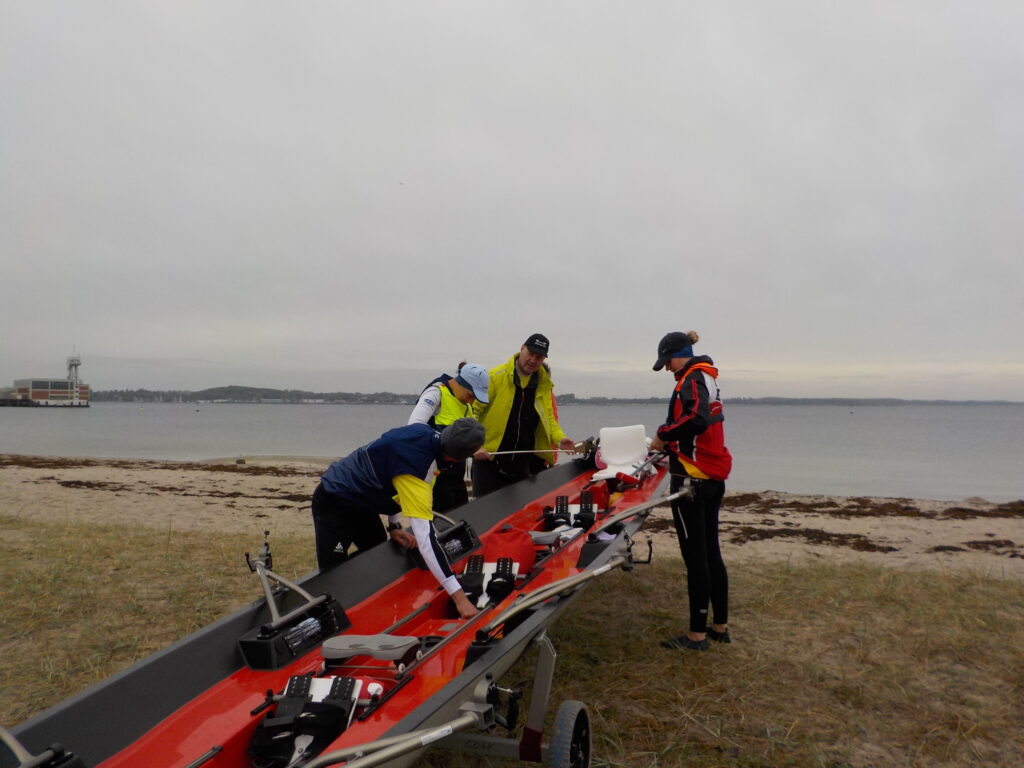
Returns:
point(705, 363)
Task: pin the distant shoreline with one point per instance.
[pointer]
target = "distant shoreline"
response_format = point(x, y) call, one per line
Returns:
point(250, 395)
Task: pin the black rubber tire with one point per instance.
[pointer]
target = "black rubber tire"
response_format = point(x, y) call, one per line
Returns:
point(569, 746)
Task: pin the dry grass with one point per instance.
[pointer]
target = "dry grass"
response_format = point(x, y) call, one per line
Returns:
point(79, 602)
point(831, 665)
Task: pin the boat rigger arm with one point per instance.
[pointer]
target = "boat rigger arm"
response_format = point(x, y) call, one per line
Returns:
point(49, 756)
point(381, 751)
point(639, 509)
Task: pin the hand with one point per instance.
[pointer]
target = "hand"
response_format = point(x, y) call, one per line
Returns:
point(403, 538)
point(657, 444)
point(482, 455)
point(567, 444)
point(465, 608)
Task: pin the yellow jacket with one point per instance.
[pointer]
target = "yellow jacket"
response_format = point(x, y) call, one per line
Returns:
point(500, 392)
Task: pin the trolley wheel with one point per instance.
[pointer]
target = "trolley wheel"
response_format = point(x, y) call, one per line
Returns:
point(570, 737)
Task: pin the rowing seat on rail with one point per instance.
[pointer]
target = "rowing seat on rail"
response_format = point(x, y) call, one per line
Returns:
point(621, 450)
point(384, 647)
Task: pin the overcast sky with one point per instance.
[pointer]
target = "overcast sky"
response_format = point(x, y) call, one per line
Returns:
point(357, 195)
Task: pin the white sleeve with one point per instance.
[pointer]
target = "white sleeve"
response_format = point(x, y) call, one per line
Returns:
point(426, 406)
point(423, 530)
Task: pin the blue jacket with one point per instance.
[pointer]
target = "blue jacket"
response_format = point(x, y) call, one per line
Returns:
point(364, 477)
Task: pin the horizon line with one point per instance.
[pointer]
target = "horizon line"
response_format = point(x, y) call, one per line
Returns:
point(571, 396)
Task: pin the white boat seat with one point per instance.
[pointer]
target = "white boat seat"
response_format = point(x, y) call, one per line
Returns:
point(384, 647)
point(621, 449)
point(561, 533)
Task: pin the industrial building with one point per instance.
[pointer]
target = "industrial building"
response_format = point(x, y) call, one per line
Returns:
point(69, 391)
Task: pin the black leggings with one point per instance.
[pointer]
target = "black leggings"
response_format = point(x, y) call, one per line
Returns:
point(696, 521)
point(335, 522)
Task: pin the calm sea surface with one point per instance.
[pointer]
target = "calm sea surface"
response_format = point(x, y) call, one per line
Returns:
point(923, 451)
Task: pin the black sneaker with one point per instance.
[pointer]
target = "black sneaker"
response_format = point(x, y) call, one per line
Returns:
point(719, 637)
point(684, 643)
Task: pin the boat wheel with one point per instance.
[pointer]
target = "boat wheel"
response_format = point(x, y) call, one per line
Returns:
point(570, 737)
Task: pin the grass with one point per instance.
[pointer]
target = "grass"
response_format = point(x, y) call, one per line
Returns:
point(831, 666)
point(79, 602)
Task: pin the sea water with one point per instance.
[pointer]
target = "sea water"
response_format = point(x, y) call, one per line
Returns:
point(921, 451)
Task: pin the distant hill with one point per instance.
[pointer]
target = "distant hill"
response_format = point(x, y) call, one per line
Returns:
point(238, 394)
point(852, 401)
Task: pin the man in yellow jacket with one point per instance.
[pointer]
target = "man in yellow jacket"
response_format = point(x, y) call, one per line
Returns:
point(519, 416)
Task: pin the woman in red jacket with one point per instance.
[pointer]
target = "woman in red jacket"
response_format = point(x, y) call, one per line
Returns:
point(695, 439)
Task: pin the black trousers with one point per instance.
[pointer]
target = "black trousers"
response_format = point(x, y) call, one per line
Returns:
point(450, 486)
point(696, 521)
point(488, 477)
point(335, 522)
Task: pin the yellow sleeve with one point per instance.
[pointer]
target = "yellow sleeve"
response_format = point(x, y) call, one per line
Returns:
point(478, 409)
point(415, 496)
point(554, 428)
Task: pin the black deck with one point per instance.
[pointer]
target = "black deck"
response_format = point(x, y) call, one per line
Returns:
point(110, 715)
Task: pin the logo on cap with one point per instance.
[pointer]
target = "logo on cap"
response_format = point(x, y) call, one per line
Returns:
point(537, 343)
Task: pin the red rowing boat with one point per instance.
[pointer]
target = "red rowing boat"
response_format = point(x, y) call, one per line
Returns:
point(368, 664)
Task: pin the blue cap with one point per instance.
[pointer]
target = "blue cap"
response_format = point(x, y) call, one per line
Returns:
point(476, 379)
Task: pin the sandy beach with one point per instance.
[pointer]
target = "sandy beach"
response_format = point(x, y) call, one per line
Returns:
point(273, 493)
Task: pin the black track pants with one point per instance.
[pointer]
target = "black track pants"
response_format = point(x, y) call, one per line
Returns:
point(707, 580)
point(335, 523)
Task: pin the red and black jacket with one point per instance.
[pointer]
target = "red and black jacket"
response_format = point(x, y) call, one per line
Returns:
point(694, 429)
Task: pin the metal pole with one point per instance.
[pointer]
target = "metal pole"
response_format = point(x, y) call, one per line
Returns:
point(633, 511)
point(545, 593)
point(539, 450)
point(380, 751)
point(531, 744)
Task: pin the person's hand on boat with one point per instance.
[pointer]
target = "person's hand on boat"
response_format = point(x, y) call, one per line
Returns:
point(567, 444)
point(403, 538)
point(482, 455)
point(465, 608)
point(657, 444)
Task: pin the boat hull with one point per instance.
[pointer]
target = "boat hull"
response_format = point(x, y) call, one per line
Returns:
point(197, 697)
point(108, 716)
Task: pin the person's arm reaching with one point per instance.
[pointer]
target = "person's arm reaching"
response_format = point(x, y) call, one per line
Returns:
point(414, 496)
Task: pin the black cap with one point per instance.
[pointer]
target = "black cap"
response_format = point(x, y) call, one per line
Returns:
point(670, 344)
point(462, 438)
point(538, 344)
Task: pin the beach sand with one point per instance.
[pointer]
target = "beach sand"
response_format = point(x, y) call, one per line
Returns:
point(272, 493)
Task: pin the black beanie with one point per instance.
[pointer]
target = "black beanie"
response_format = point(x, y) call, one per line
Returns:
point(462, 438)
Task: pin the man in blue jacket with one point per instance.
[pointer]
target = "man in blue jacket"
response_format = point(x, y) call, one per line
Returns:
point(355, 491)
